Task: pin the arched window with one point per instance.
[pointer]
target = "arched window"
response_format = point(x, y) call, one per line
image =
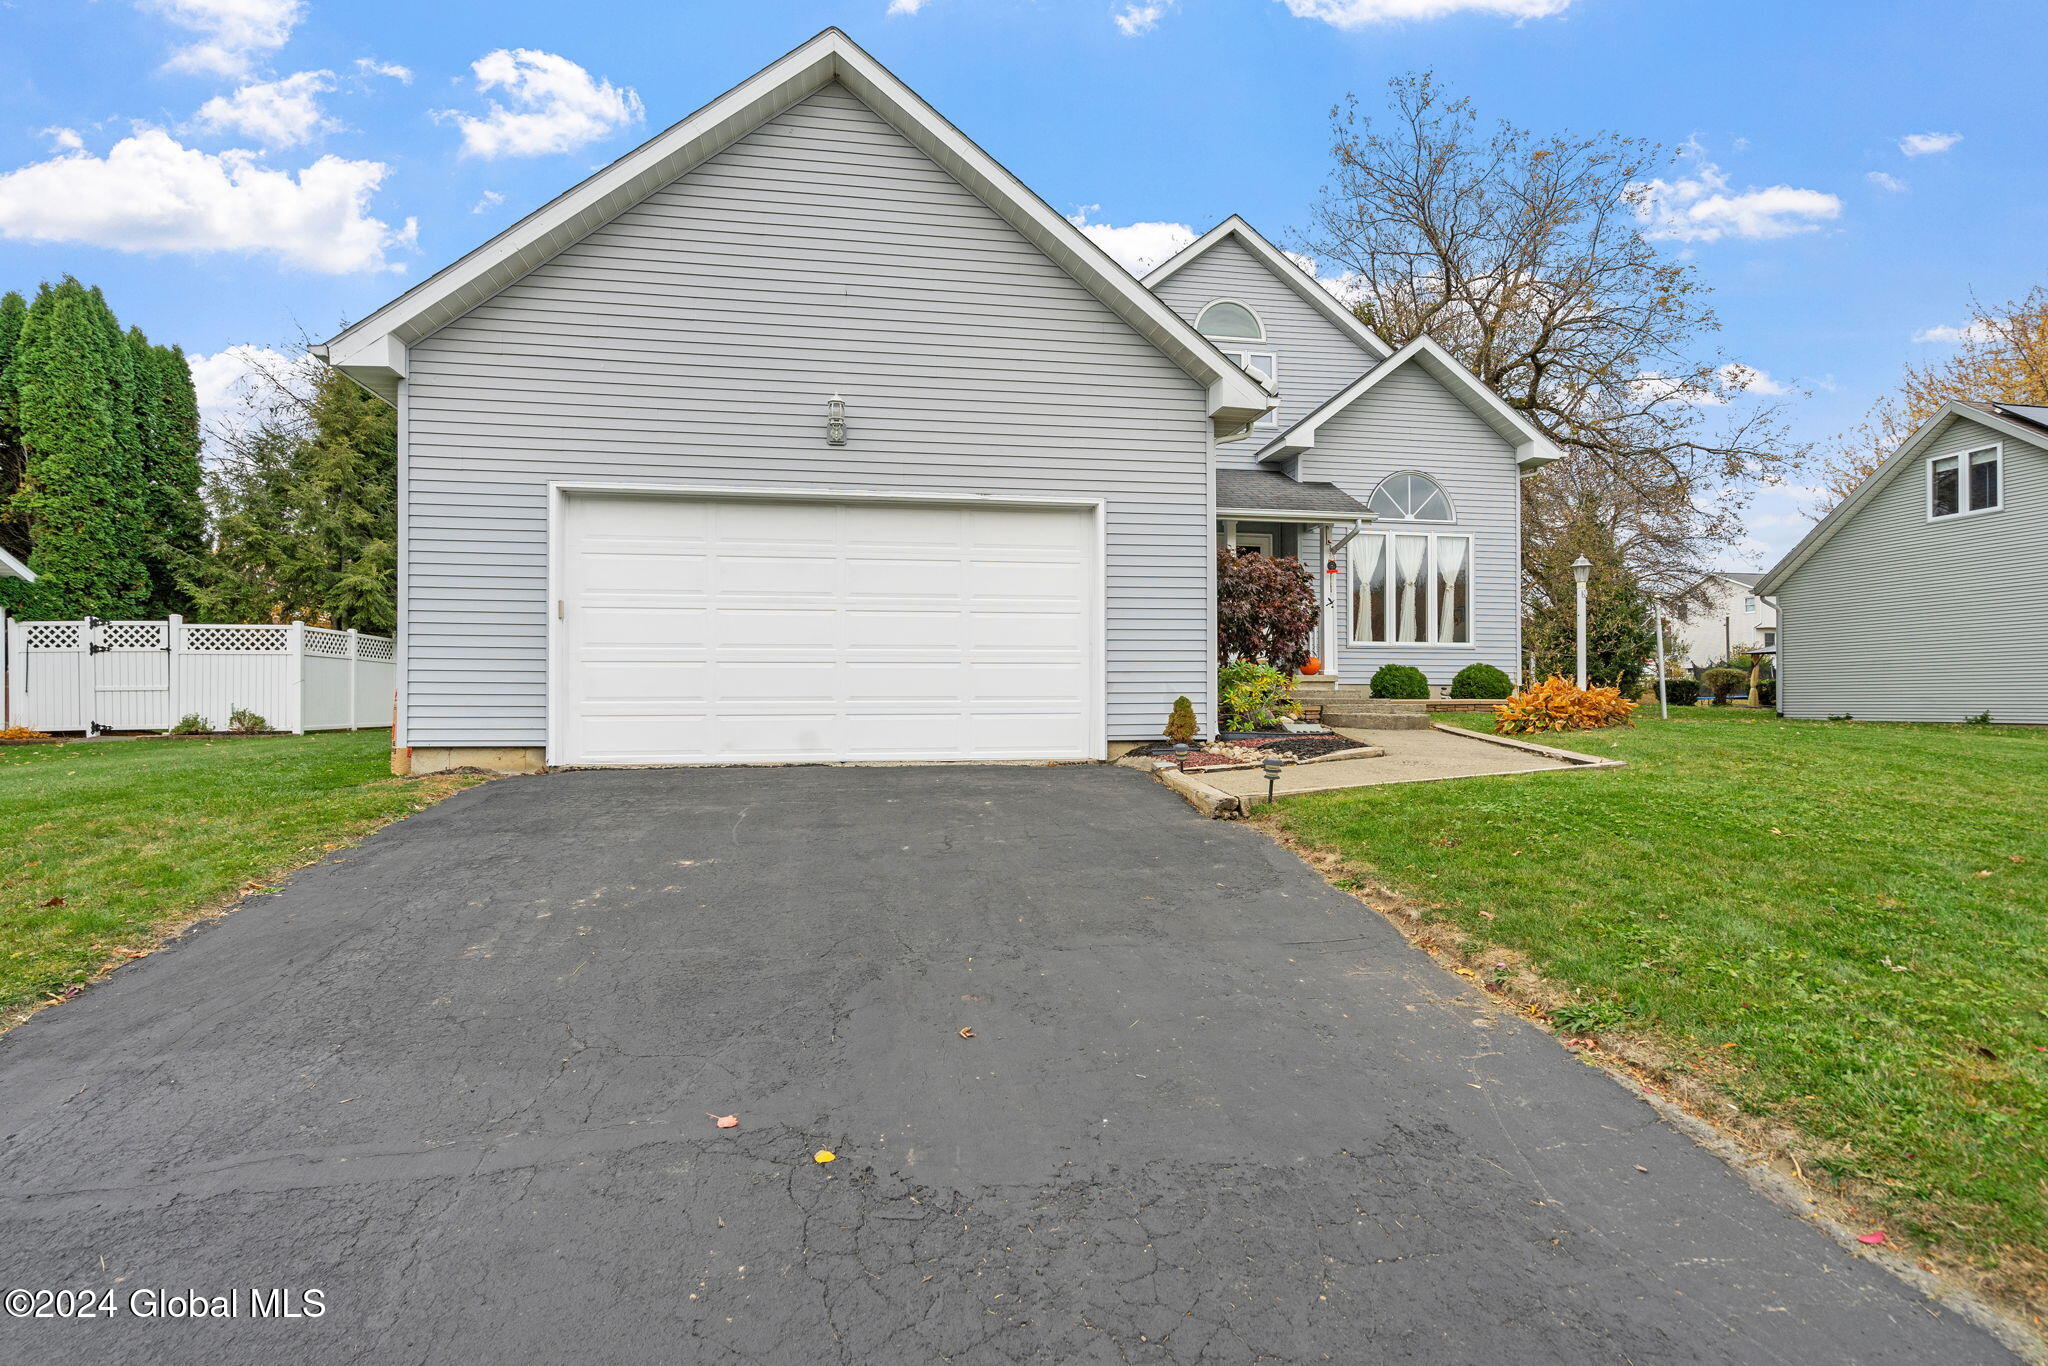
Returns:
point(1411, 498)
point(1229, 320)
point(1240, 335)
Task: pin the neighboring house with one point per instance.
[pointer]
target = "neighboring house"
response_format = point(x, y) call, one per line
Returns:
point(806, 431)
point(1731, 616)
point(1923, 596)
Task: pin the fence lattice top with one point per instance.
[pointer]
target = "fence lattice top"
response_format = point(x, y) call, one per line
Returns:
point(376, 647)
point(52, 635)
point(134, 635)
point(322, 641)
point(240, 640)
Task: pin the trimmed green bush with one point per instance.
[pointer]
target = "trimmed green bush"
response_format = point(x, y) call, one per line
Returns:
point(1254, 696)
point(192, 723)
point(1722, 682)
point(1482, 682)
point(1400, 680)
point(1767, 692)
point(1678, 692)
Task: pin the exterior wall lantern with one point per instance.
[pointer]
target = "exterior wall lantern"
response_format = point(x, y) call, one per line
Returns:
point(835, 421)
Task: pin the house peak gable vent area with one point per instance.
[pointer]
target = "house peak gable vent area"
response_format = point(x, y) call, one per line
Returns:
point(374, 351)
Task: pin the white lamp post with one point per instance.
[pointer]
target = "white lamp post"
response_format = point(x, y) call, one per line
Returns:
point(1582, 570)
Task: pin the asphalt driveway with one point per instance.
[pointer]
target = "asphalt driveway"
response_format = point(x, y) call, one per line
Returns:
point(458, 1082)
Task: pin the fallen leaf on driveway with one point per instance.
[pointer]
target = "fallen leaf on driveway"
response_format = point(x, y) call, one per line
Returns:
point(723, 1121)
point(824, 1155)
point(1872, 1238)
point(966, 1033)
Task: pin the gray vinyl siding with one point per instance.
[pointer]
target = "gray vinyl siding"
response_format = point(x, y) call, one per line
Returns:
point(694, 340)
point(1898, 618)
point(1408, 421)
point(1316, 358)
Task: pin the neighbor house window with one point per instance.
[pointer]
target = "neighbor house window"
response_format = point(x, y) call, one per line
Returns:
point(1240, 335)
point(1749, 604)
point(1963, 483)
point(1411, 588)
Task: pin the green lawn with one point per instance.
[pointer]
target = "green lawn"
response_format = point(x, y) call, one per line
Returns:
point(103, 845)
point(1843, 927)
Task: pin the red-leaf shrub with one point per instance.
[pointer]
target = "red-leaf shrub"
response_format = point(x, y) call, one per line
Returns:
point(1265, 609)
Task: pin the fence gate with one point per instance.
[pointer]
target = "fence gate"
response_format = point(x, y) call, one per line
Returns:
point(130, 663)
point(48, 676)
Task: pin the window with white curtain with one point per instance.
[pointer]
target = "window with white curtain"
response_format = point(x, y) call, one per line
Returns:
point(1411, 588)
point(1957, 484)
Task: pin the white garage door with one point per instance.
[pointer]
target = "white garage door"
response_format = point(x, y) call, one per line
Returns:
point(733, 630)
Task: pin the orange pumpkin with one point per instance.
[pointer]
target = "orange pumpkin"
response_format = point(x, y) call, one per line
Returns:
point(1313, 667)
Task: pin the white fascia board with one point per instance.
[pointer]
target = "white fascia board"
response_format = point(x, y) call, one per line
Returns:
point(1283, 267)
point(1533, 449)
point(1838, 516)
point(1277, 515)
point(1234, 396)
point(11, 568)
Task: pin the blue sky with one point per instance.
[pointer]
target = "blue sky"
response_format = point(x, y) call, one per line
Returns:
point(291, 163)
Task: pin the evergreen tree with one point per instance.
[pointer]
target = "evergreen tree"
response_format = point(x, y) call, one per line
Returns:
point(79, 491)
point(172, 513)
point(13, 532)
point(305, 515)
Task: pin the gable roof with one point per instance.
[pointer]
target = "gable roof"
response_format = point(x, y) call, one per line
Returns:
point(1746, 580)
point(1532, 448)
point(373, 351)
point(1284, 268)
point(11, 568)
point(2012, 421)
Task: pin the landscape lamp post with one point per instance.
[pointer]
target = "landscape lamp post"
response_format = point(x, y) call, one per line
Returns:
point(1272, 767)
point(1582, 570)
point(1663, 703)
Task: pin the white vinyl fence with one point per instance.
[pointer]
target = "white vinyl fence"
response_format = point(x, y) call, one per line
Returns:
point(91, 676)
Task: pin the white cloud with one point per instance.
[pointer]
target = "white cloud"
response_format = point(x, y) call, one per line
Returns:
point(1137, 17)
point(1729, 381)
point(1928, 144)
point(151, 194)
point(370, 66)
point(1886, 181)
point(556, 106)
point(1950, 336)
point(232, 33)
point(280, 113)
point(907, 6)
point(64, 139)
point(237, 383)
point(1361, 13)
point(1700, 208)
point(1137, 247)
point(491, 199)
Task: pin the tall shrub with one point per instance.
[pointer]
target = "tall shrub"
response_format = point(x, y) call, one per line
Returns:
point(80, 490)
point(13, 529)
point(1266, 609)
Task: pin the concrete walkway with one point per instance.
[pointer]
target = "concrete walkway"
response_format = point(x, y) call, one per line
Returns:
point(1412, 756)
point(1212, 1109)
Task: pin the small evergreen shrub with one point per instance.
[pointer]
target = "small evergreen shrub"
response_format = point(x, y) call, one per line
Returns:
point(1767, 692)
point(1679, 692)
point(1481, 681)
point(242, 721)
point(192, 723)
point(1399, 680)
point(1180, 727)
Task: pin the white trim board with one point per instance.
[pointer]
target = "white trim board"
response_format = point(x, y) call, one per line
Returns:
point(11, 568)
point(373, 351)
point(1909, 450)
point(1284, 267)
point(559, 492)
point(1533, 449)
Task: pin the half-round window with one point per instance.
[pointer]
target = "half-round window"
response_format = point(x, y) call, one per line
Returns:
point(1410, 498)
point(1230, 321)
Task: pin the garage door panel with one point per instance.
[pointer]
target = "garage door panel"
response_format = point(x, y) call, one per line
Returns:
point(708, 631)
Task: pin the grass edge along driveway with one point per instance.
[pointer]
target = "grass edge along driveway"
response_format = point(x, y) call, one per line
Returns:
point(1839, 928)
point(107, 847)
